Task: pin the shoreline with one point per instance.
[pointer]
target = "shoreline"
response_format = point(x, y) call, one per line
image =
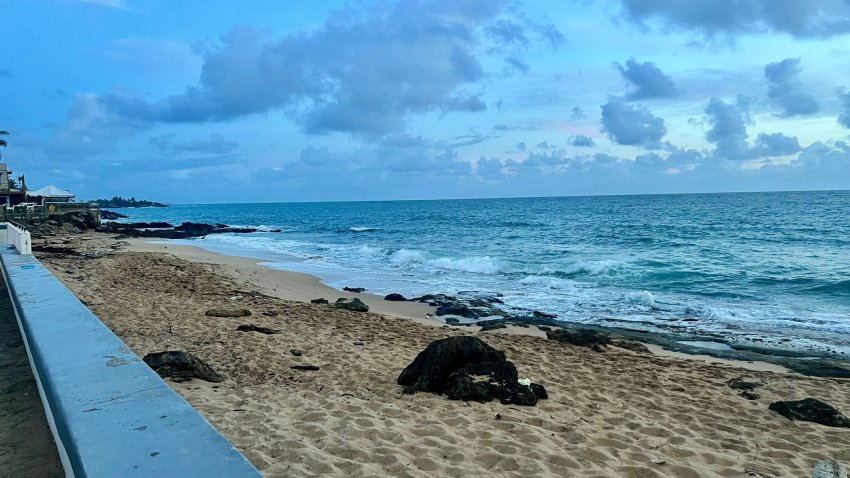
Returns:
point(302, 287)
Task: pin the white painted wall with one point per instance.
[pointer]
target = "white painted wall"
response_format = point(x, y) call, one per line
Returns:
point(20, 238)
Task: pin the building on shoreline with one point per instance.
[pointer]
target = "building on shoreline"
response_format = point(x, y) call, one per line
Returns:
point(10, 195)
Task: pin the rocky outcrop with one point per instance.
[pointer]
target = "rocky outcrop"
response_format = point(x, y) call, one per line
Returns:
point(320, 300)
point(466, 368)
point(356, 290)
point(111, 215)
point(580, 337)
point(811, 410)
point(354, 304)
point(395, 298)
point(185, 230)
point(180, 366)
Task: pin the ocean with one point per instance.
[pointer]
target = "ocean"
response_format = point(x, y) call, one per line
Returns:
point(758, 268)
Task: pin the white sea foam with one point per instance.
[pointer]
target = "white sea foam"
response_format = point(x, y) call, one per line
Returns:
point(642, 297)
point(361, 229)
point(475, 264)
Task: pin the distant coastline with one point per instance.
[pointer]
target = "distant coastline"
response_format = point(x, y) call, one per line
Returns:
point(118, 201)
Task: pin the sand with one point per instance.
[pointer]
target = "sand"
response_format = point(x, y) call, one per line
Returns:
point(617, 413)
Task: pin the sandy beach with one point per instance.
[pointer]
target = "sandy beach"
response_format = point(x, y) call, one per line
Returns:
point(612, 413)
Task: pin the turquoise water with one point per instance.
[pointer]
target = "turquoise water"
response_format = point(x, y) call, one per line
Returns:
point(764, 267)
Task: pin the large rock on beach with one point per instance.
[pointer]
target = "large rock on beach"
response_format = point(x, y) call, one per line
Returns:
point(180, 366)
point(228, 313)
point(354, 304)
point(811, 410)
point(455, 366)
point(395, 297)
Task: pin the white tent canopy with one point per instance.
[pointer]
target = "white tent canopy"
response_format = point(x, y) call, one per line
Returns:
point(51, 192)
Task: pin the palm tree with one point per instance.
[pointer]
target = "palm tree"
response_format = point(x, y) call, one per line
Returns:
point(3, 141)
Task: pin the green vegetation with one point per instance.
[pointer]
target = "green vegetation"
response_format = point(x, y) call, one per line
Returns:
point(3, 142)
point(118, 201)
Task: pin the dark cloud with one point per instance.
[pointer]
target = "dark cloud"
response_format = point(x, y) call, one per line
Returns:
point(712, 18)
point(169, 145)
point(577, 113)
point(786, 90)
point(647, 79)
point(775, 144)
point(630, 124)
point(364, 71)
point(844, 118)
point(582, 141)
point(728, 131)
point(491, 169)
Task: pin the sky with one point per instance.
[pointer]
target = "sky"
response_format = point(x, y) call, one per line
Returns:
point(264, 101)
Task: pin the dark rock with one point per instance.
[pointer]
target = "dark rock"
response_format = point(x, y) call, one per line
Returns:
point(228, 313)
point(319, 301)
point(493, 326)
point(580, 337)
point(354, 304)
point(632, 345)
point(750, 395)
point(111, 215)
point(818, 368)
point(538, 313)
point(257, 328)
point(305, 367)
point(738, 383)
point(456, 309)
point(356, 290)
point(452, 321)
point(270, 313)
point(395, 298)
point(167, 231)
point(811, 410)
point(544, 328)
point(181, 366)
point(296, 352)
point(466, 368)
point(539, 391)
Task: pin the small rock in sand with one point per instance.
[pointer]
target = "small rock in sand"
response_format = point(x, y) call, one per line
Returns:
point(356, 290)
point(228, 313)
point(257, 328)
point(296, 352)
point(311, 368)
point(319, 301)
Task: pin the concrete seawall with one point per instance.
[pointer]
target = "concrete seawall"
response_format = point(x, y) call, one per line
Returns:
point(110, 414)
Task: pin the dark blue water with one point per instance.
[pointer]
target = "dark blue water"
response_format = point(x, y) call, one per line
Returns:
point(741, 266)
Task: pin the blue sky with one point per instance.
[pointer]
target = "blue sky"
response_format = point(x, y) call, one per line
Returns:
point(194, 101)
